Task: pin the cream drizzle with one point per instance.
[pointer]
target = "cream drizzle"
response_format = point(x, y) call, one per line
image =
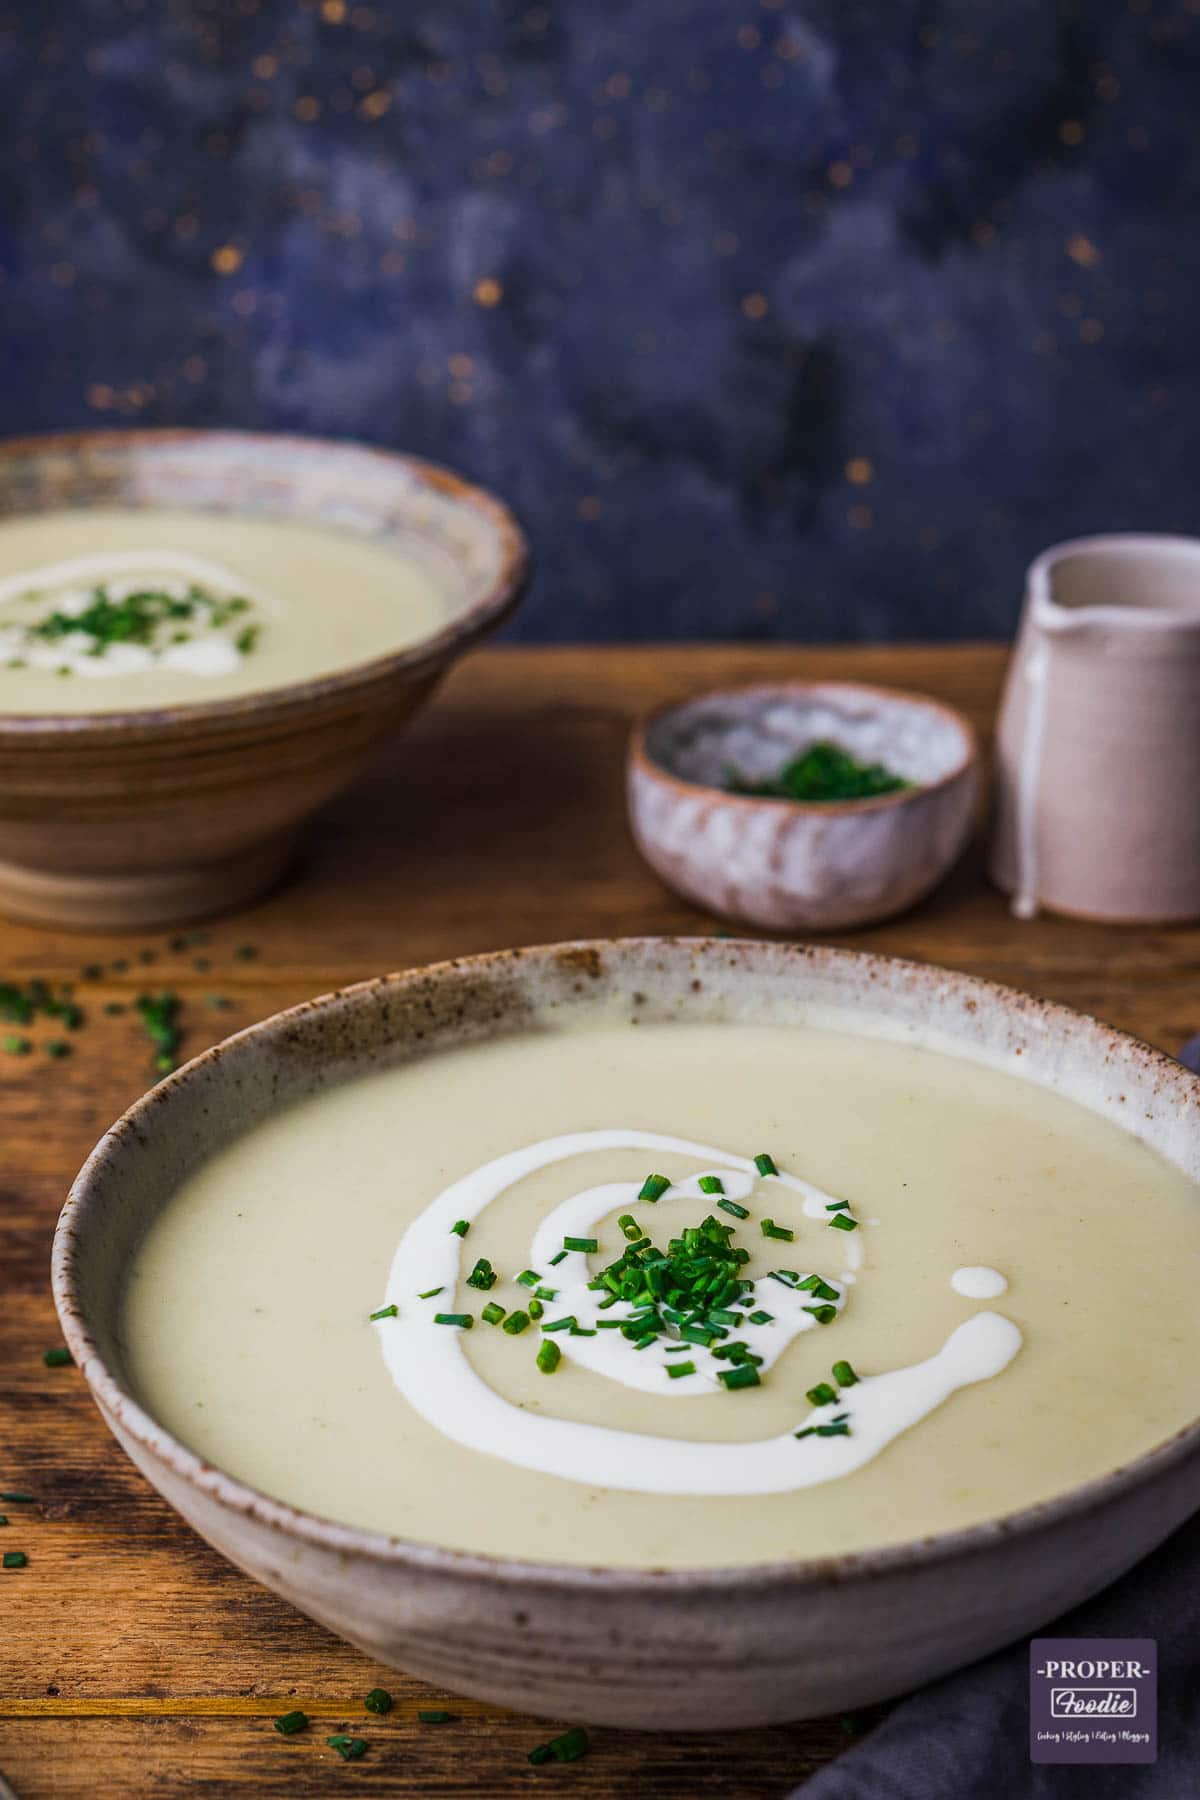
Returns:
point(977, 1282)
point(67, 587)
point(428, 1364)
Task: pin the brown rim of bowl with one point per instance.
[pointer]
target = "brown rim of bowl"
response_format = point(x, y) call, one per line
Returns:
point(239, 1497)
point(483, 616)
point(640, 756)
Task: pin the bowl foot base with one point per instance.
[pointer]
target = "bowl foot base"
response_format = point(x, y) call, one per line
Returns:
point(150, 897)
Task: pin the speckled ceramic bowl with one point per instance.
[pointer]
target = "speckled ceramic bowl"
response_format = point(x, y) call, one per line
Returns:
point(784, 1641)
point(787, 865)
point(126, 819)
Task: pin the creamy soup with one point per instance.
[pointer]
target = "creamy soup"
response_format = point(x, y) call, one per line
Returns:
point(103, 611)
point(679, 1295)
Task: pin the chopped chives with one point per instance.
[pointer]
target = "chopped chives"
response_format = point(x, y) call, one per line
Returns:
point(348, 1748)
point(564, 1324)
point(14, 1559)
point(771, 1230)
point(431, 1293)
point(516, 1323)
point(17, 1499)
point(654, 1187)
point(838, 1429)
point(548, 1358)
point(731, 1206)
point(434, 1715)
point(711, 1184)
point(838, 1206)
point(579, 1331)
point(58, 1358)
point(765, 1164)
point(546, 1293)
point(482, 1276)
point(609, 1324)
point(675, 1370)
point(843, 1222)
point(378, 1701)
point(18, 1046)
point(740, 1376)
point(762, 1318)
point(3, 1519)
point(58, 1047)
point(459, 1228)
point(492, 1313)
point(824, 1315)
point(391, 1312)
point(578, 1243)
point(571, 1745)
point(555, 1260)
point(541, 1753)
point(629, 1226)
point(536, 1309)
point(844, 1375)
point(528, 1278)
point(465, 1320)
point(822, 1395)
point(289, 1723)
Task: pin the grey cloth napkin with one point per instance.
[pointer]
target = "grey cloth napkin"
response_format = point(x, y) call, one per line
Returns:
point(967, 1738)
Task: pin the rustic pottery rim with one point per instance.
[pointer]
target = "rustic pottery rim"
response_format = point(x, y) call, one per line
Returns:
point(641, 759)
point(462, 630)
point(239, 1497)
point(1054, 615)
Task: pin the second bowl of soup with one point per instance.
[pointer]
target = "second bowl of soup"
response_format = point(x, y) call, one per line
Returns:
point(203, 637)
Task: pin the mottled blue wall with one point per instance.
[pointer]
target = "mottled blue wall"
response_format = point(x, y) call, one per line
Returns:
point(771, 317)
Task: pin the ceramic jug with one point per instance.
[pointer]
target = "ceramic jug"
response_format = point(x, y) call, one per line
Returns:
point(1098, 741)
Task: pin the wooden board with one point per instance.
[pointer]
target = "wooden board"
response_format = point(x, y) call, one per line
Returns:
point(133, 1660)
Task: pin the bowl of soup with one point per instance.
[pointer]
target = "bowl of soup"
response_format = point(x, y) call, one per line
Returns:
point(204, 636)
point(666, 1333)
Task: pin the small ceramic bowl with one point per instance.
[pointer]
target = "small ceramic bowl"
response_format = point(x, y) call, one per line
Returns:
point(125, 819)
point(784, 864)
point(785, 1640)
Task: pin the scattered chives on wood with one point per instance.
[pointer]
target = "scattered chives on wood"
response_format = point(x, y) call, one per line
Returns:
point(571, 1745)
point(58, 1358)
point(765, 1164)
point(290, 1723)
point(17, 1499)
point(654, 1187)
point(348, 1748)
point(516, 1323)
point(3, 1519)
point(587, 1245)
point(464, 1320)
point(435, 1715)
point(783, 1232)
point(392, 1312)
point(14, 1559)
point(18, 1046)
point(378, 1701)
point(541, 1753)
point(548, 1358)
point(844, 1375)
point(459, 1228)
point(731, 1206)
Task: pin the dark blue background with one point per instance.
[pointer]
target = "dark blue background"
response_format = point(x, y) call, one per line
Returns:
point(801, 318)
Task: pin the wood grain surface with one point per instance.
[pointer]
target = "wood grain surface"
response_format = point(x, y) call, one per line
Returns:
point(133, 1660)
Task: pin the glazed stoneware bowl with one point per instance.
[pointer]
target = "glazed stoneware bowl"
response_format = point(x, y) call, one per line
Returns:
point(788, 865)
point(784, 1641)
point(123, 819)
